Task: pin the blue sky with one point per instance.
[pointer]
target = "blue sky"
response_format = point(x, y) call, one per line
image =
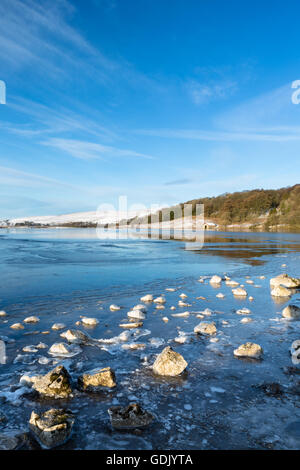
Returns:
point(162, 101)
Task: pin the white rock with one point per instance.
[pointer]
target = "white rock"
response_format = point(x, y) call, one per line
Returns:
point(280, 291)
point(170, 289)
point(160, 300)
point(64, 350)
point(136, 314)
point(243, 311)
point(58, 326)
point(183, 296)
point(30, 349)
point(140, 307)
point(249, 281)
point(291, 312)
point(165, 319)
point(181, 315)
point(216, 280)
point(2, 313)
point(239, 292)
point(285, 281)
point(172, 308)
point(114, 308)
point(147, 298)
point(32, 319)
point(183, 304)
point(17, 326)
point(159, 307)
point(249, 350)
point(246, 320)
point(232, 283)
point(205, 328)
point(89, 321)
point(220, 295)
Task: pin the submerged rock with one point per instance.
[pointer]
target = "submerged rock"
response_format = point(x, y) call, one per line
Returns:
point(205, 328)
point(239, 292)
point(136, 314)
point(129, 417)
point(58, 326)
point(246, 320)
point(3, 313)
point(57, 383)
point(183, 304)
point(159, 300)
point(64, 350)
point(181, 315)
point(140, 307)
point(280, 291)
point(216, 280)
point(291, 312)
point(231, 283)
point(249, 350)
point(285, 280)
point(89, 321)
point(147, 298)
point(17, 326)
point(52, 428)
point(131, 325)
point(169, 363)
point(114, 308)
point(76, 336)
point(32, 319)
point(243, 311)
point(97, 379)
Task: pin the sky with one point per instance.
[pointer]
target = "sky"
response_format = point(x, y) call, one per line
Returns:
point(161, 101)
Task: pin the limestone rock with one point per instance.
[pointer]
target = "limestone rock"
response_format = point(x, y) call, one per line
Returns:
point(76, 336)
point(32, 319)
point(169, 363)
point(54, 384)
point(114, 308)
point(64, 350)
point(239, 292)
point(97, 379)
point(147, 298)
point(89, 321)
point(58, 326)
point(129, 417)
point(215, 280)
point(136, 314)
point(291, 312)
point(249, 350)
point(52, 428)
point(280, 291)
point(205, 328)
point(17, 326)
point(285, 280)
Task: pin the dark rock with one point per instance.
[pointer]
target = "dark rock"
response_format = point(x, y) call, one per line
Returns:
point(130, 417)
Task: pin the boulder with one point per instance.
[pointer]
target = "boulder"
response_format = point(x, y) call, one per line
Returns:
point(280, 291)
point(169, 363)
point(249, 350)
point(17, 326)
point(64, 350)
point(215, 280)
point(159, 300)
point(57, 383)
point(129, 417)
point(89, 321)
point(52, 428)
point(205, 328)
point(291, 312)
point(97, 379)
point(32, 319)
point(239, 292)
point(285, 280)
point(147, 298)
point(58, 326)
point(76, 336)
point(136, 314)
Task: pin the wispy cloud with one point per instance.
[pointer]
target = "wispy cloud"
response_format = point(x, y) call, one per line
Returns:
point(201, 93)
point(178, 182)
point(90, 150)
